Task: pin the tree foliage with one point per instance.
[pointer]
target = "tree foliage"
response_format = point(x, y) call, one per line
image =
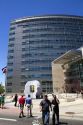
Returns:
point(2, 89)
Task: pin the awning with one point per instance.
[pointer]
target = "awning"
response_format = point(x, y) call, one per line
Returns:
point(70, 56)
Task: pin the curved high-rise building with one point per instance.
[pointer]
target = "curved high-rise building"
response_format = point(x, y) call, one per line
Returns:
point(34, 42)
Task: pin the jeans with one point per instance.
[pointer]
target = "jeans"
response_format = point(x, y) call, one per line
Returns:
point(45, 118)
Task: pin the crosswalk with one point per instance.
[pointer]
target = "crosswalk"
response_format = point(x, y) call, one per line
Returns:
point(8, 119)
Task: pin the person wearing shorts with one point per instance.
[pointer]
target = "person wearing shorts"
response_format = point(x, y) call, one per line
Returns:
point(29, 105)
point(21, 105)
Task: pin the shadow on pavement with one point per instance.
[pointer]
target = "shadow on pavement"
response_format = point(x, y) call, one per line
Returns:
point(4, 108)
point(63, 123)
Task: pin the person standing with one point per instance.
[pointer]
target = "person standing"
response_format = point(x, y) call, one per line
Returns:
point(15, 99)
point(45, 105)
point(55, 103)
point(28, 103)
point(82, 93)
point(2, 101)
point(21, 105)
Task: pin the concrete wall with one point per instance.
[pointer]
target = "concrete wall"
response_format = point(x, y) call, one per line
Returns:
point(58, 78)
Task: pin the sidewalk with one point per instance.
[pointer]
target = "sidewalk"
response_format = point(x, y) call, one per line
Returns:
point(72, 109)
point(69, 110)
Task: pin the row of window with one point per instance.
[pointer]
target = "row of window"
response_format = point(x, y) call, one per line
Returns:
point(36, 61)
point(64, 19)
point(52, 26)
point(38, 68)
point(24, 82)
point(55, 29)
point(51, 23)
point(50, 20)
point(10, 71)
point(36, 76)
point(63, 37)
point(51, 41)
point(38, 54)
point(33, 50)
point(54, 20)
point(32, 76)
point(9, 90)
point(41, 46)
point(51, 35)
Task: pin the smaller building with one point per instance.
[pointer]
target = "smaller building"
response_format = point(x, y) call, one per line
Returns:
point(67, 72)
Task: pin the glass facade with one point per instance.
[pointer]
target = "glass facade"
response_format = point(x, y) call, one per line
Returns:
point(74, 76)
point(34, 42)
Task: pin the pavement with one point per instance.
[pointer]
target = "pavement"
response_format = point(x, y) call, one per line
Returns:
point(70, 106)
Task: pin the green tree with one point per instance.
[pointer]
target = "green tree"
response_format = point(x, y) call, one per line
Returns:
point(2, 89)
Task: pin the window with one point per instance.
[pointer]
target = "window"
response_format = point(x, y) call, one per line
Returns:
point(12, 33)
point(23, 43)
point(10, 57)
point(11, 39)
point(9, 77)
point(9, 90)
point(23, 76)
point(25, 55)
point(32, 88)
point(9, 84)
point(11, 45)
point(12, 28)
point(10, 70)
point(25, 31)
point(23, 83)
point(10, 63)
point(10, 51)
point(24, 49)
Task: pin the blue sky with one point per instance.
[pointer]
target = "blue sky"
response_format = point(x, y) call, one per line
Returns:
point(12, 9)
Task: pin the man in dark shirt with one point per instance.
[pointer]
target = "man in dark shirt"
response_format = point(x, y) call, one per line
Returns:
point(55, 103)
point(45, 104)
point(15, 99)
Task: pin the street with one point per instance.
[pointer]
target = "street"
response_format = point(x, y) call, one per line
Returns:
point(29, 121)
point(13, 119)
point(71, 113)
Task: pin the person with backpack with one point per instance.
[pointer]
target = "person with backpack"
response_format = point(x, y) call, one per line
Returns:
point(55, 103)
point(45, 105)
point(28, 103)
